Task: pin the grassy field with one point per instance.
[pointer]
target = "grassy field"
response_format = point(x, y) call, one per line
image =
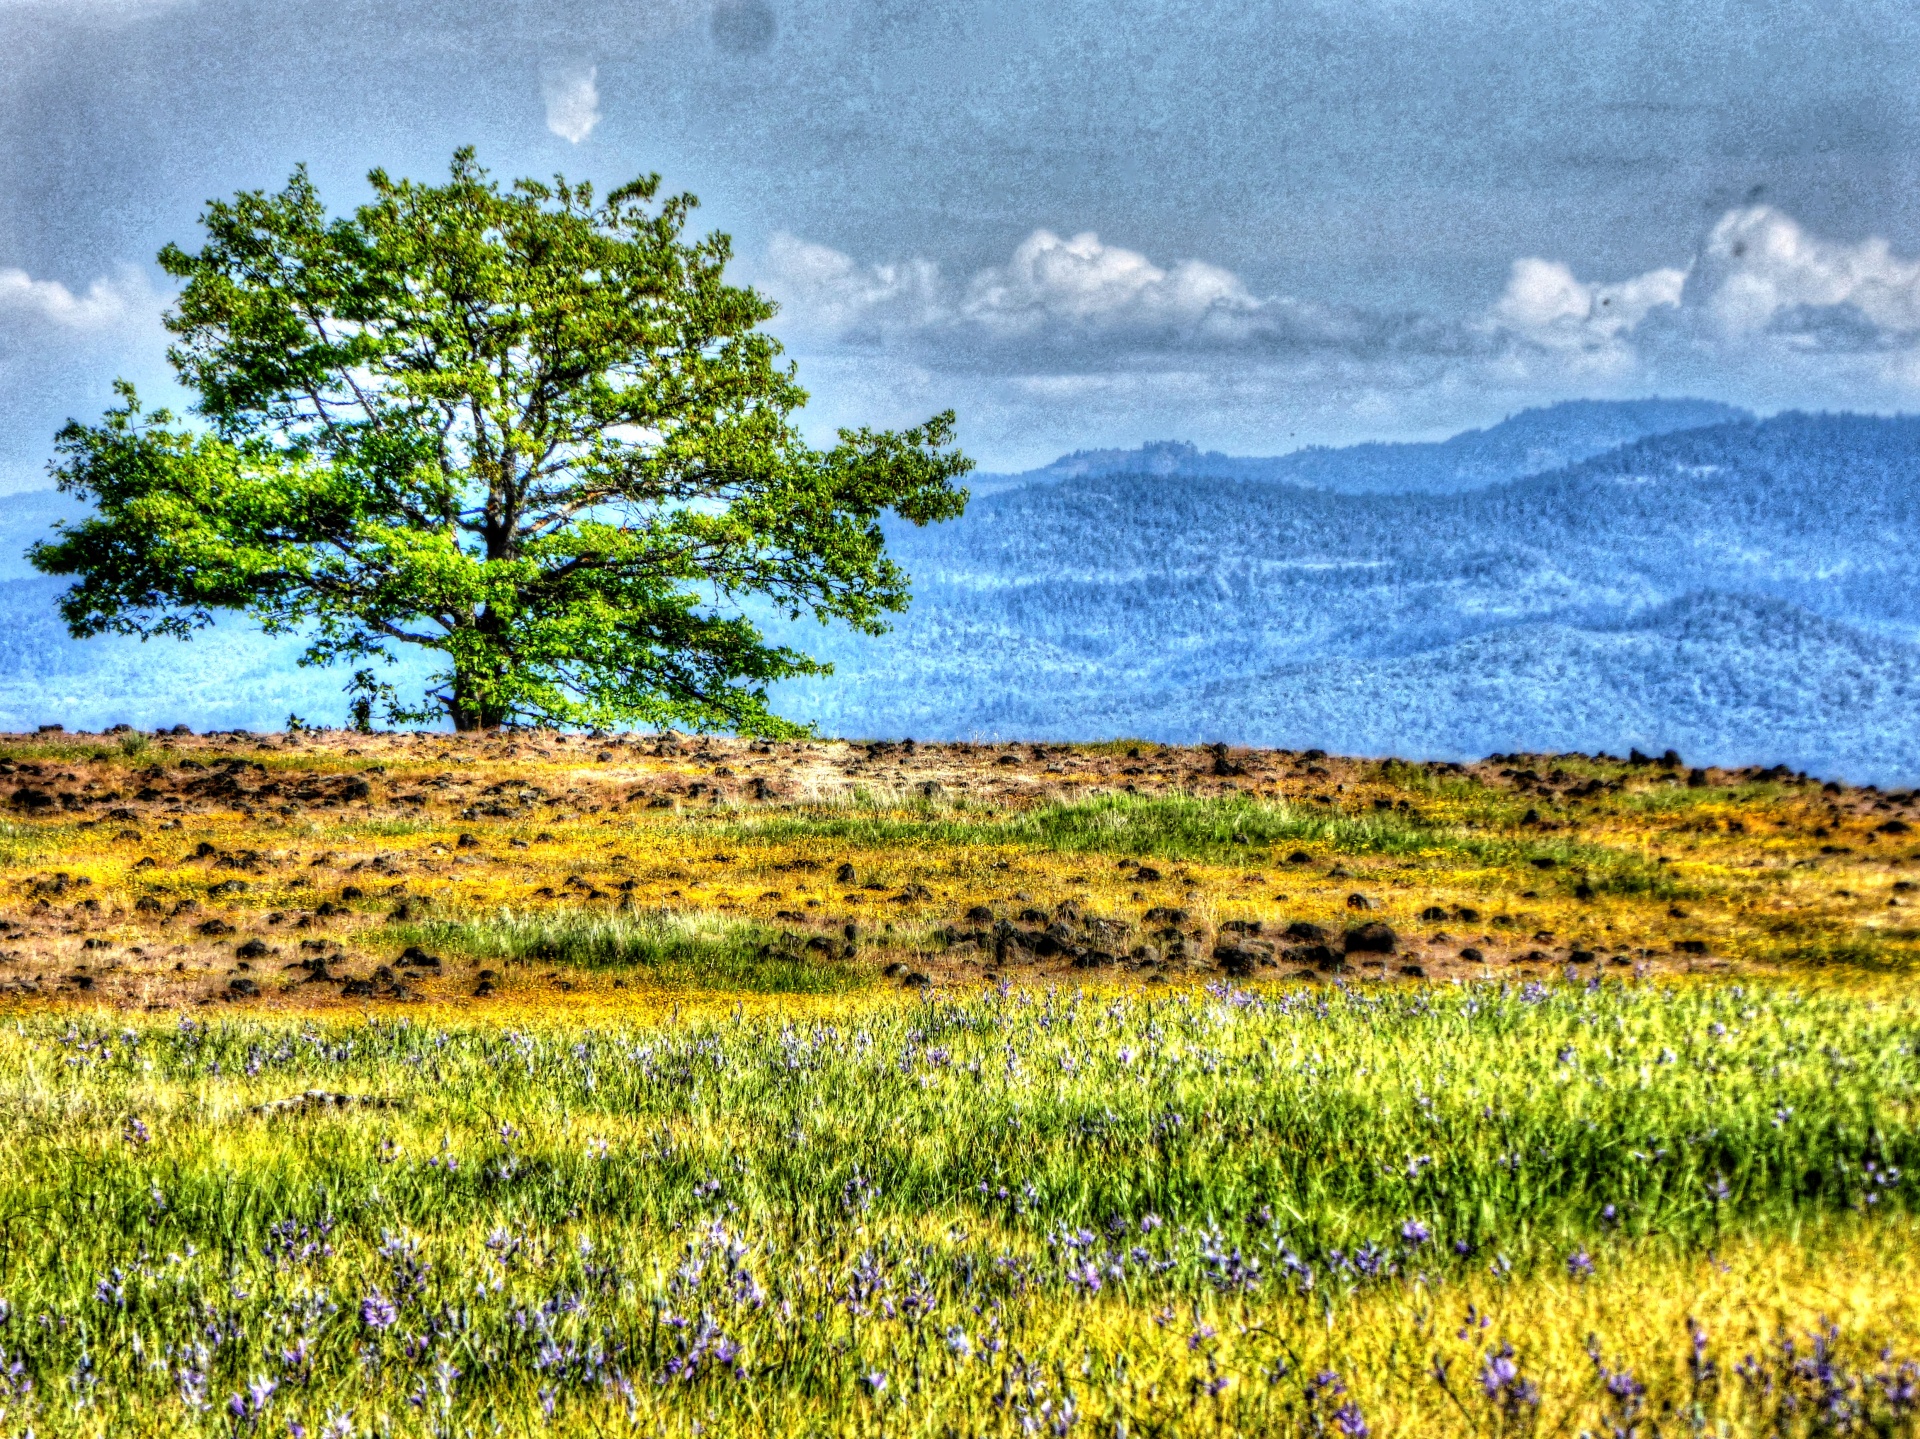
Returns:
point(866, 1091)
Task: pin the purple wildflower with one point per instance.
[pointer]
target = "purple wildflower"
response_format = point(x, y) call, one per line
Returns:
point(378, 1312)
point(1350, 1422)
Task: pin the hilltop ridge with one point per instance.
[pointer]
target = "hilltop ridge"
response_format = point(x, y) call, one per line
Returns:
point(1528, 442)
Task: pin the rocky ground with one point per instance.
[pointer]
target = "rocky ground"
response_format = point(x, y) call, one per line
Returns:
point(306, 869)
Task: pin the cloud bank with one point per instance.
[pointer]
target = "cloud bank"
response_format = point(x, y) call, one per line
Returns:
point(1762, 312)
point(1072, 340)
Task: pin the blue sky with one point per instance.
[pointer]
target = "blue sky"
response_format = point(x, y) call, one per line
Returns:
point(1253, 225)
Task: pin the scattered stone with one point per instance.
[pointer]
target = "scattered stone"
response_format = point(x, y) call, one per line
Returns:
point(1371, 939)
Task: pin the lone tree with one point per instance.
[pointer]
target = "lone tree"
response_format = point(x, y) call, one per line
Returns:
point(536, 434)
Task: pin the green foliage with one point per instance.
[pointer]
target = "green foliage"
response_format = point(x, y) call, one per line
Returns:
point(533, 432)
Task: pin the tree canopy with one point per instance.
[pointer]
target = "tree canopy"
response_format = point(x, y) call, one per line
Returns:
point(532, 431)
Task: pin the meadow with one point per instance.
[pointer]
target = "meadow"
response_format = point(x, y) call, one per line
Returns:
point(365, 1085)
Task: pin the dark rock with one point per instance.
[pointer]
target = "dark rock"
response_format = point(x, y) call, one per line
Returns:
point(1161, 914)
point(1239, 961)
point(1472, 955)
point(844, 874)
point(213, 928)
point(1371, 939)
point(1299, 856)
point(252, 949)
point(242, 988)
point(1433, 912)
point(1413, 971)
point(1320, 956)
point(1359, 901)
point(979, 914)
point(1147, 874)
point(1304, 930)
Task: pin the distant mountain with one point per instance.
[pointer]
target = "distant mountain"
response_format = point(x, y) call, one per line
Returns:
point(1745, 591)
point(1529, 443)
point(1252, 611)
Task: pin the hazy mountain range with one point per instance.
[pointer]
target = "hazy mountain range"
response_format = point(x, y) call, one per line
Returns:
point(1593, 575)
point(1529, 443)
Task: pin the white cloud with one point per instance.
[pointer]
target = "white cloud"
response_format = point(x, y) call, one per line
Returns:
point(27, 304)
point(1546, 304)
point(573, 101)
point(1051, 281)
point(60, 347)
point(824, 290)
point(1760, 267)
point(1052, 294)
point(1762, 313)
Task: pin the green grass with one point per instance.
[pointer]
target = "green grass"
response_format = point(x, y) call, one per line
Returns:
point(739, 1222)
point(1229, 830)
point(674, 949)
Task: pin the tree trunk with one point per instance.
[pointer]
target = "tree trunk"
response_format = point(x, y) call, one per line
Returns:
point(468, 711)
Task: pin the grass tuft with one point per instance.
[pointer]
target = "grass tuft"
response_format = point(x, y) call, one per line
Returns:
point(673, 949)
